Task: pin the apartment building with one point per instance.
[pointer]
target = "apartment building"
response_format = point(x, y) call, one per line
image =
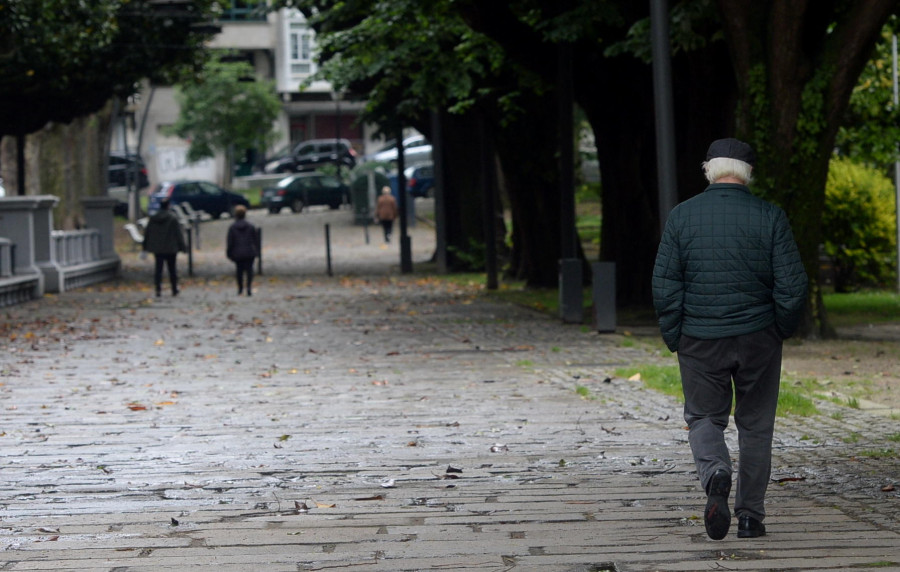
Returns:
point(281, 47)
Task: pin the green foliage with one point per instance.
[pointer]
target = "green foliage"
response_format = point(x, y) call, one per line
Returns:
point(472, 259)
point(871, 126)
point(859, 225)
point(63, 59)
point(226, 109)
point(665, 379)
point(863, 307)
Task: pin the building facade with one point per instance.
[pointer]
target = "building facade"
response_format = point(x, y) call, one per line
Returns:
point(281, 47)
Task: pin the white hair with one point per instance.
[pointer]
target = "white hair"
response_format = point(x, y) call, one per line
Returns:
point(720, 167)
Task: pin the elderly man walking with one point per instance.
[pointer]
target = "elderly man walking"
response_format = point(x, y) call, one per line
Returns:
point(728, 288)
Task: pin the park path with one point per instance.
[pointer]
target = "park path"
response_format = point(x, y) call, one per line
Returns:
point(373, 421)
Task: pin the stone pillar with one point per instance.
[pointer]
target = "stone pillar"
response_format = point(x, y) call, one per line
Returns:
point(27, 222)
point(98, 214)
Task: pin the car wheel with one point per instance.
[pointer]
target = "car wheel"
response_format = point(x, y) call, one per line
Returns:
point(296, 205)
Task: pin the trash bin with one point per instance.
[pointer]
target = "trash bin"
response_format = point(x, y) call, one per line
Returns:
point(363, 197)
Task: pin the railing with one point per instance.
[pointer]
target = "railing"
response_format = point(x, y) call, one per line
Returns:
point(73, 247)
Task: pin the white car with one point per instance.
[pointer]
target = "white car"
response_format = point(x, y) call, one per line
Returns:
point(416, 149)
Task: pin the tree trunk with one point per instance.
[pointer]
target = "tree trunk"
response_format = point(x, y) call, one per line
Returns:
point(796, 64)
point(525, 148)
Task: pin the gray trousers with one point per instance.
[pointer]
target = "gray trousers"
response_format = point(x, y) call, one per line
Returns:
point(752, 363)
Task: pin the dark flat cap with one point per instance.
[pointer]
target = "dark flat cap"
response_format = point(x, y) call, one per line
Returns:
point(731, 149)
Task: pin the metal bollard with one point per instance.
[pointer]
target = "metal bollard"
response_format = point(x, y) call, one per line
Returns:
point(259, 251)
point(328, 247)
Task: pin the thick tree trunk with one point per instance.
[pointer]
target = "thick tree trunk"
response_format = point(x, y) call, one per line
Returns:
point(462, 189)
point(64, 160)
point(796, 64)
point(530, 172)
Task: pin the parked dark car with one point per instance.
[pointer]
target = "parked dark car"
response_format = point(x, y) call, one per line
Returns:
point(420, 180)
point(122, 170)
point(127, 168)
point(303, 190)
point(201, 195)
point(312, 154)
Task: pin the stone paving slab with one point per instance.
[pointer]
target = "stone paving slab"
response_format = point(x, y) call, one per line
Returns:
point(384, 424)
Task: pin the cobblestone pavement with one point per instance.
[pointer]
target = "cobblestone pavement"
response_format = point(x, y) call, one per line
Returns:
point(377, 422)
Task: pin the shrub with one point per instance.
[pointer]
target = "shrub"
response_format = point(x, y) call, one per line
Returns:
point(859, 226)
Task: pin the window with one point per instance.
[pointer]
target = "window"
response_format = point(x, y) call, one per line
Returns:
point(301, 49)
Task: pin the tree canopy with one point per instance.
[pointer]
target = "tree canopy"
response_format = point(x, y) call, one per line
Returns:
point(63, 59)
point(226, 109)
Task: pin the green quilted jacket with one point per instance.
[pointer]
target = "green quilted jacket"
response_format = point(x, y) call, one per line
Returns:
point(727, 265)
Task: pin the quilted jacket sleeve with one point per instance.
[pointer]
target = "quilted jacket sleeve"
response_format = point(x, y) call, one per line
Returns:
point(790, 280)
point(668, 287)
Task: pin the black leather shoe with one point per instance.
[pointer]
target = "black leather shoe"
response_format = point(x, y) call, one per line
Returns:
point(749, 527)
point(717, 517)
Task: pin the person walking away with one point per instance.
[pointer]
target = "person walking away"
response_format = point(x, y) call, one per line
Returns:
point(386, 212)
point(242, 248)
point(164, 238)
point(728, 288)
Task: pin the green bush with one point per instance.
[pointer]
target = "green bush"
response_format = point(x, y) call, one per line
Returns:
point(859, 226)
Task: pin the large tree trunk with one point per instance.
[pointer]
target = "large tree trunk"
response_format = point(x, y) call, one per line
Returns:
point(64, 160)
point(526, 147)
point(462, 191)
point(617, 97)
point(796, 64)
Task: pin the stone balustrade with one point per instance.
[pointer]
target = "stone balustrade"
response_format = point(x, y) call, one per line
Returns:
point(35, 259)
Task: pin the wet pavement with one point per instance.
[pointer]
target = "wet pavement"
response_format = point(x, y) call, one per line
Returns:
point(378, 421)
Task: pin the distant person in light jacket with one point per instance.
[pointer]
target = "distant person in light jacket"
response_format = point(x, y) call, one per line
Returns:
point(242, 248)
point(728, 287)
point(165, 239)
point(386, 212)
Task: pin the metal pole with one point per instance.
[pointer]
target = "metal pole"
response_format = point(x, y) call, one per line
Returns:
point(662, 98)
point(190, 252)
point(259, 251)
point(896, 162)
point(328, 247)
point(571, 289)
point(405, 241)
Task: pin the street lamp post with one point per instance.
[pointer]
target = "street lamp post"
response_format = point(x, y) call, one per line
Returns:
point(338, 94)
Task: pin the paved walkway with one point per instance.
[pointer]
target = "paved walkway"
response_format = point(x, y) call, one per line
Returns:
point(376, 422)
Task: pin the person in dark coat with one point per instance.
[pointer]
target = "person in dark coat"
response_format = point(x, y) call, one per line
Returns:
point(728, 287)
point(242, 248)
point(164, 238)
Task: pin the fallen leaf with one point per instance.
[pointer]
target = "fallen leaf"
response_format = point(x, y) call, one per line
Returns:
point(635, 377)
point(174, 522)
point(324, 505)
point(452, 469)
point(376, 497)
point(137, 407)
point(887, 489)
point(159, 342)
